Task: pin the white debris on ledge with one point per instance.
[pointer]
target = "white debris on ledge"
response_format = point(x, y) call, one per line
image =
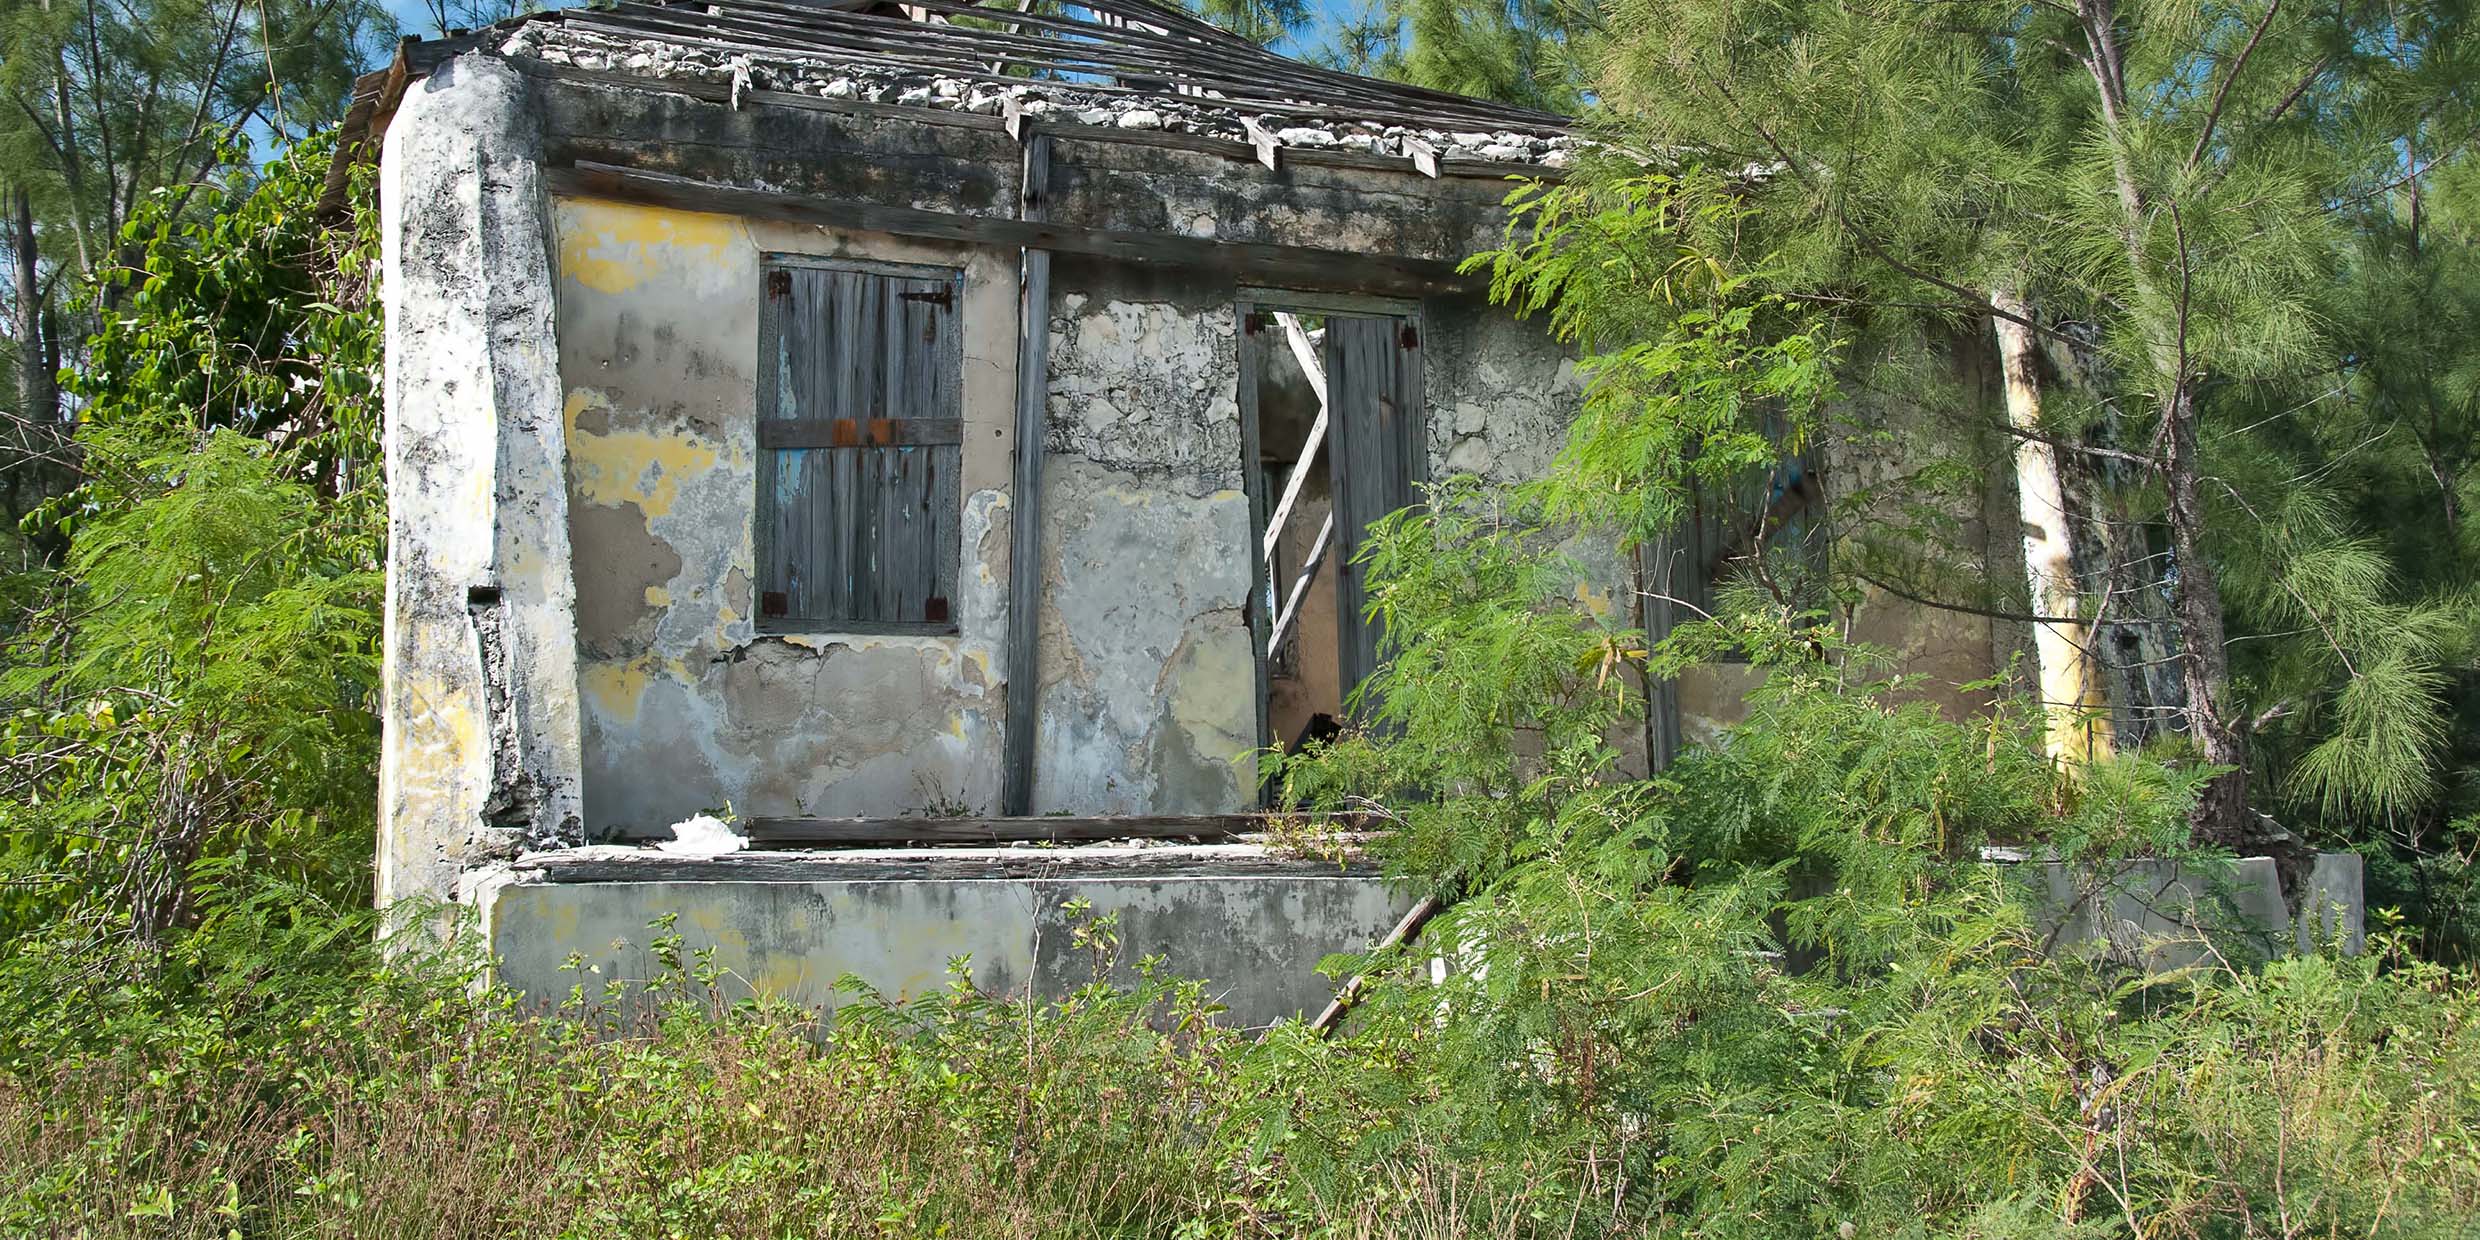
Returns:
point(703, 835)
point(1205, 115)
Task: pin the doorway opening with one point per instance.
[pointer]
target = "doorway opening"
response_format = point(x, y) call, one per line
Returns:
point(1331, 411)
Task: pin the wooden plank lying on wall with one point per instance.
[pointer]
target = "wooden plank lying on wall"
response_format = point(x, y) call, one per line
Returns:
point(849, 832)
point(1256, 261)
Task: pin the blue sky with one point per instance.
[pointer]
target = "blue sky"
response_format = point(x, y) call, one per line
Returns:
point(411, 19)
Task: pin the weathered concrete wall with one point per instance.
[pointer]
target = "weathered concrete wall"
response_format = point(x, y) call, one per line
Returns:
point(687, 707)
point(479, 688)
point(1148, 673)
point(792, 925)
point(1132, 187)
point(968, 165)
point(1910, 463)
point(2159, 915)
point(1501, 391)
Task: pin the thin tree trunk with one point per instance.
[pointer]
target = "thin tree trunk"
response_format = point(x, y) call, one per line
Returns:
point(32, 437)
point(2221, 815)
point(2074, 709)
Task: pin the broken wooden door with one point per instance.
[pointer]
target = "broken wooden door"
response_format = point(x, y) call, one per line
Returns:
point(1331, 406)
point(1376, 459)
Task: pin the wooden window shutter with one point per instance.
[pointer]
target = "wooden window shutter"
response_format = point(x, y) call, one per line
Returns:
point(860, 448)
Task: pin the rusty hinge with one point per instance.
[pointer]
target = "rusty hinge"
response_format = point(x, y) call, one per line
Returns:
point(1411, 336)
point(779, 284)
point(944, 299)
point(774, 603)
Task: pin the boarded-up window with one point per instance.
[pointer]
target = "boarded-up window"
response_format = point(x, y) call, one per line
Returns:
point(859, 447)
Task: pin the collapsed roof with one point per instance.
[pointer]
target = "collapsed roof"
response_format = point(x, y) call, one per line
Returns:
point(1124, 64)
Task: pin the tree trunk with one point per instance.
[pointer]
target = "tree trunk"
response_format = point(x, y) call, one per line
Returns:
point(2075, 711)
point(31, 438)
point(2221, 815)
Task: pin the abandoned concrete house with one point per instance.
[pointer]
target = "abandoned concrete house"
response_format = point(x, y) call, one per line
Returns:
point(822, 430)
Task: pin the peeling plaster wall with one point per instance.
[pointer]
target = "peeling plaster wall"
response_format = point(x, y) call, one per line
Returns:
point(1501, 392)
point(1148, 672)
point(1928, 413)
point(478, 691)
point(686, 706)
point(1147, 701)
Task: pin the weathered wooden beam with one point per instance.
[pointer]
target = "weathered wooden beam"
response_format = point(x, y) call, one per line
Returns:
point(1300, 584)
point(1306, 354)
point(1024, 632)
point(1403, 933)
point(849, 832)
point(1255, 261)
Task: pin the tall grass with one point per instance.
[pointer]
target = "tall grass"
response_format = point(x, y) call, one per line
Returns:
point(2316, 1097)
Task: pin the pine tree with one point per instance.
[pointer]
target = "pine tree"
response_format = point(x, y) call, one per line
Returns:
point(1259, 21)
point(1529, 52)
point(2164, 191)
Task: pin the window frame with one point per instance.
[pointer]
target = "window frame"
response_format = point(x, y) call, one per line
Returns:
point(769, 396)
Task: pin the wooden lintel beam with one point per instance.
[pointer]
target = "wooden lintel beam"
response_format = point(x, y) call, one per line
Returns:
point(1249, 260)
point(766, 833)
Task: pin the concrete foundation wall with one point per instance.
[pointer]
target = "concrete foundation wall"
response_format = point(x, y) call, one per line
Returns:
point(2160, 915)
point(1254, 926)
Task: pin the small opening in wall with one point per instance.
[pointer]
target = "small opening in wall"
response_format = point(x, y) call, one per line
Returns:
point(482, 596)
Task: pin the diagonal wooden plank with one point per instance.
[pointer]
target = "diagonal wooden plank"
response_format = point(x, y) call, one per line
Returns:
point(1300, 584)
point(1306, 354)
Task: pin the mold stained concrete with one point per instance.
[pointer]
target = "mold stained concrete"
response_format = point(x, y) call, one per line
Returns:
point(1868, 483)
point(480, 755)
point(1148, 671)
point(686, 706)
point(1147, 701)
point(1257, 936)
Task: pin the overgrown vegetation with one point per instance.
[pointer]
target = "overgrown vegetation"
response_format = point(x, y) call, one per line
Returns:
point(1769, 991)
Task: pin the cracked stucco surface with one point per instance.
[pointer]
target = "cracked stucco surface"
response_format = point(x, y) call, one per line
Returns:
point(1148, 700)
point(479, 695)
point(1147, 695)
point(687, 707)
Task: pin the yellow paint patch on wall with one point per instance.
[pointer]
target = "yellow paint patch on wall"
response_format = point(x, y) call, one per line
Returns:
point(657, 596)
point(1595, 601)
point(632, 467)
point(617, 688)
point(440, 734)
point(611, 247)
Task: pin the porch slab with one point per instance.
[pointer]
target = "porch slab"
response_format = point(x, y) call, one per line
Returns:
point(1253, 922)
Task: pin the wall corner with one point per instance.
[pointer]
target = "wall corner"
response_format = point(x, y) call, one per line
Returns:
point(479, 693)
